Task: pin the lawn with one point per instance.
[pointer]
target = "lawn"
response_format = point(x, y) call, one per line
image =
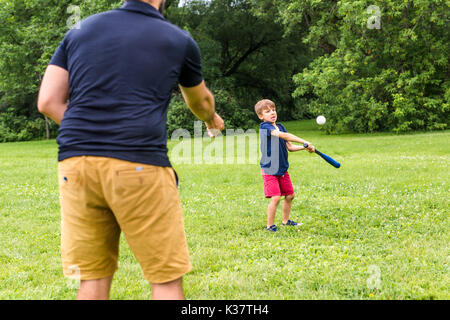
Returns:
point(377, 228)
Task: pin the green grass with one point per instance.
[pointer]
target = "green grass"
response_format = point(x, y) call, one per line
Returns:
point(387, 206)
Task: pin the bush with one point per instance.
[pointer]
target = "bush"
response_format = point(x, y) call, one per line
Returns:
point(393, 78)
point(15, 127)
point(234, 115)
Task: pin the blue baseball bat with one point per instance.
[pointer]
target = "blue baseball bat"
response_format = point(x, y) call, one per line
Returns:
point(328, 159)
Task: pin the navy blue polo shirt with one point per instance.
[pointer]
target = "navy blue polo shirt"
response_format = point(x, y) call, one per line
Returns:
point(274, 154)
point(123, 65)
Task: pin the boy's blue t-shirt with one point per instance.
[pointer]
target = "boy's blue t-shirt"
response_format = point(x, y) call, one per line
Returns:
point(274, 154)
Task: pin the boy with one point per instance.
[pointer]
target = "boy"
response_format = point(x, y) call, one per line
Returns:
point(275, 142)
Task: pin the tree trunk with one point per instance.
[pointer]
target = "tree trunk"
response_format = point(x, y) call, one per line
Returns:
point(47, 129)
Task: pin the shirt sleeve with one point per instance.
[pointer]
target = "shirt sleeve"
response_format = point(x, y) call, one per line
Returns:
point(191, 71)
point(60, 56)
point(267, 127)
point(282, 128)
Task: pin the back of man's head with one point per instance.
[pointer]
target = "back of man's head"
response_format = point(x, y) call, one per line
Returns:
point(160, 5)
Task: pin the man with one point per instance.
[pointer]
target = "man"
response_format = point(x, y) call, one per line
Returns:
point(118, 70)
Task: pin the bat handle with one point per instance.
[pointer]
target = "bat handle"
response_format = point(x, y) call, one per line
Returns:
point(307, 145)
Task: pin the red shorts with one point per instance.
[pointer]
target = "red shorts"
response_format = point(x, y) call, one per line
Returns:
point(277, 185)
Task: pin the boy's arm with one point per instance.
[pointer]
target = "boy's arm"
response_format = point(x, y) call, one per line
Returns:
point(293, 148)
point(289, 137)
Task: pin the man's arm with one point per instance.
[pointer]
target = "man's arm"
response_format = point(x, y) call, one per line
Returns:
point(201, 102)
point(54, 93)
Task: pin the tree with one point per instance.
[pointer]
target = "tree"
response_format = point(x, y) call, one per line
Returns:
point(371, 77)
point(30, 31)
point(245, 52)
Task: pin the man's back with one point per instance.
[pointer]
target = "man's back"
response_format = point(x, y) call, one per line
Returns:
point(123, 65)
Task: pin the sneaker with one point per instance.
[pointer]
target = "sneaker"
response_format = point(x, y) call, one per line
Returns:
point(292, 223)
point(272, 228)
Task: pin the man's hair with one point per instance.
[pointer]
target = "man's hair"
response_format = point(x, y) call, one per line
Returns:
point(264, 104)
point(162, 6)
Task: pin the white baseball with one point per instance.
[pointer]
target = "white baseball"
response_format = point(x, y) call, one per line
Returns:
point(321, 120)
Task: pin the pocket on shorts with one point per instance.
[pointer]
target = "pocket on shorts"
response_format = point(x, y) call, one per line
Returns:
point(177, 180)
point(69, 179)
point(135, 176)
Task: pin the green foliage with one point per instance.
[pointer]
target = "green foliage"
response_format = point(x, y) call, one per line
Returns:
point(246, 52)
point(30, 31)
point(311, 57)
point(235, 115)
point(179, 116)
point(392, 78)
point(15, 127)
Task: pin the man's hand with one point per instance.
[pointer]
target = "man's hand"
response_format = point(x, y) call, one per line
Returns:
point(215, 126)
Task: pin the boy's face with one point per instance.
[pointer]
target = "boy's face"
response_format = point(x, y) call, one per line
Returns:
point(268, 115)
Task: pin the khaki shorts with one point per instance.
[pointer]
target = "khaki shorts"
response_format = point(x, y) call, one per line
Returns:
point(100, 197)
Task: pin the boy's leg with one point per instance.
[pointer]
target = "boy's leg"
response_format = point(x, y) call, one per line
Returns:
point(271, 210)
point(287, 205)
point(287, 190)
point(271, 190)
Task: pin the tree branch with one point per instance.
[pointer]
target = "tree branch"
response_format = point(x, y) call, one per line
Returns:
point(247, 53)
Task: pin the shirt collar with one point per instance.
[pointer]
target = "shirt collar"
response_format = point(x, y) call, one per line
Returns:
point(142, 7)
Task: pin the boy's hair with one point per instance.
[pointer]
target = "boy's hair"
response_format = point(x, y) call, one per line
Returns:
point(264, 104)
